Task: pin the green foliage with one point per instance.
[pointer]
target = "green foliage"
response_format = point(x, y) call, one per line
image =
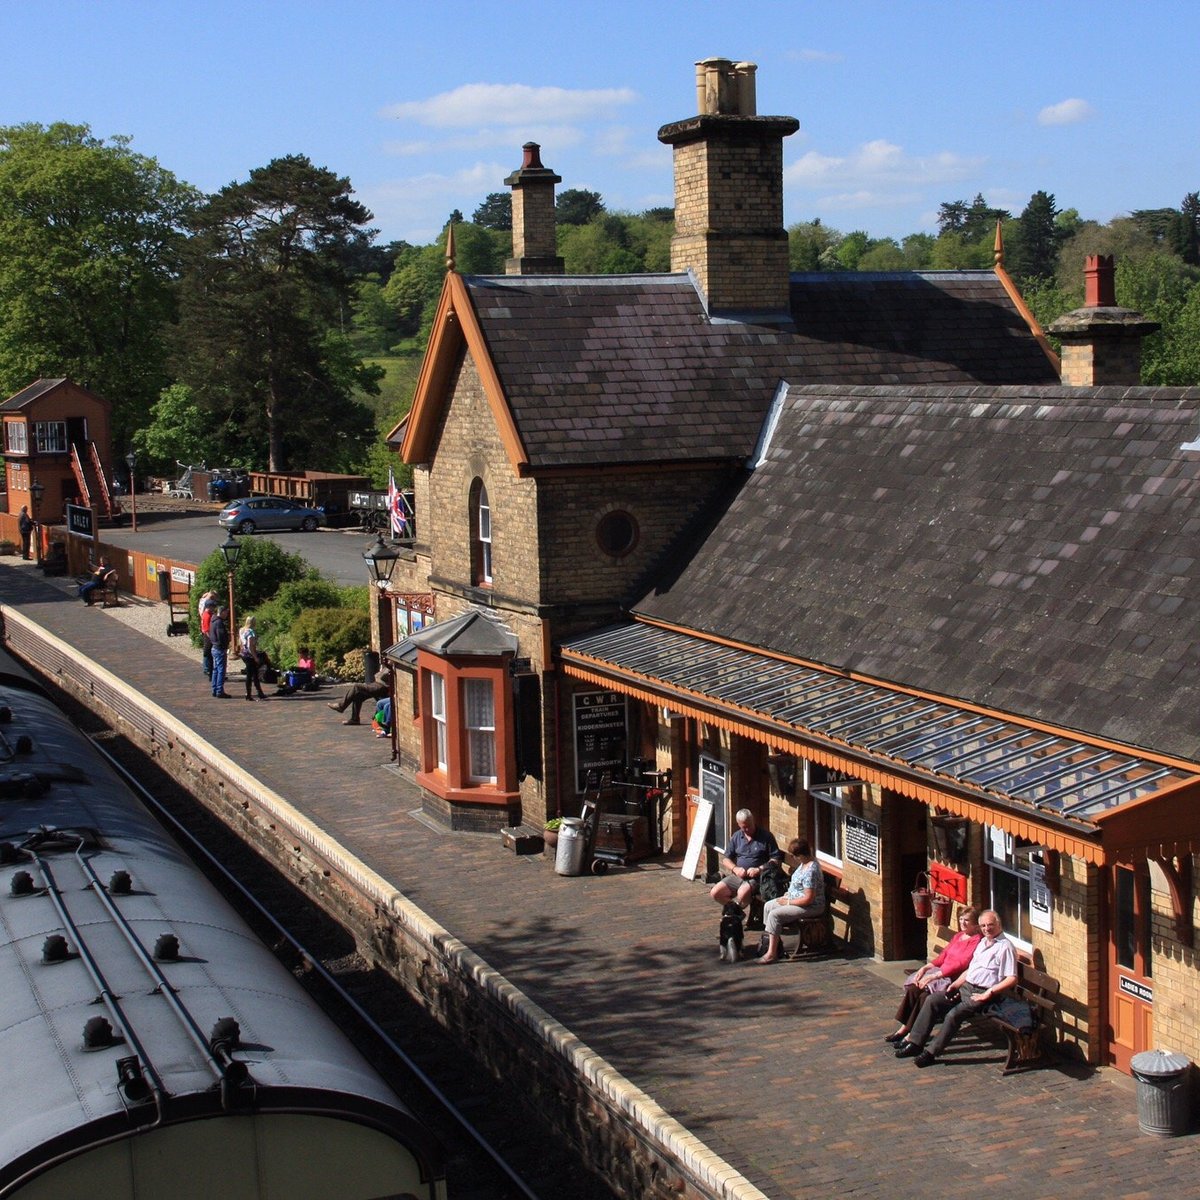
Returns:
point(262, 301)
point(1031, 250)
point(178, 431)
point(261, 570)
point(495, 212)
point(577, 206)
point(332, 632)
point(90, 236)
point(811, 246)
point(276, 619)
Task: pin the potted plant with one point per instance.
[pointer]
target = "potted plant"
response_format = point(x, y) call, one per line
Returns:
point(550, 831)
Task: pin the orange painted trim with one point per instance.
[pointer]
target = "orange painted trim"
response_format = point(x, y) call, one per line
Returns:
point(966, 706)
point(455, 323)
point(433, 782)
point(1026, 312)
point(928, 794)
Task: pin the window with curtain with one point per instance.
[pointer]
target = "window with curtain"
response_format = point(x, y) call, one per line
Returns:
point(480, 708)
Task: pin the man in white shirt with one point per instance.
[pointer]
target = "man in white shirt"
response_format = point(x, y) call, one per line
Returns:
point(991, 972)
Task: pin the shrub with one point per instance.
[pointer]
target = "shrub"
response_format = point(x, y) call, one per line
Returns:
point(331, 632)
point(262, 568)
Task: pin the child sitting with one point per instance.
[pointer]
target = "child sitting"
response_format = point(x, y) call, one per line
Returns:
point(381, 722)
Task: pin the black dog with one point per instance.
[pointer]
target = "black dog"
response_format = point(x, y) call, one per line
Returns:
point(730, 934)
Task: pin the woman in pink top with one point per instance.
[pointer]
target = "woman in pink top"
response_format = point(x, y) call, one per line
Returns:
point(935, 976)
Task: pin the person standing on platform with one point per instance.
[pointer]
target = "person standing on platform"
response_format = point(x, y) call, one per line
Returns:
point(218, 633)
point(207, 608)
point(25, 528)
point(252, 658)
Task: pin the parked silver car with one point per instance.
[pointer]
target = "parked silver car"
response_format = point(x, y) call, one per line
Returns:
point(269, 512)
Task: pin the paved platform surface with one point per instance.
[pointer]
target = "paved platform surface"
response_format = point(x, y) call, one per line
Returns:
point(782, 1070)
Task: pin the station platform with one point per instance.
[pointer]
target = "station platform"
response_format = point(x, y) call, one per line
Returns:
point(781, 1071)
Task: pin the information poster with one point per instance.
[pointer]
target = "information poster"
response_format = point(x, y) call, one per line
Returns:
point(1040, 900)
point(861, 843)
point(600, 734)
point(714, 787)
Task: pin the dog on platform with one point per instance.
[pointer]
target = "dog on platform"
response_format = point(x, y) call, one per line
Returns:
point(731, 932)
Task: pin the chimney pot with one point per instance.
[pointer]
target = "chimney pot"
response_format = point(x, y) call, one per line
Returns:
point(1100, 281)
point(532, 157)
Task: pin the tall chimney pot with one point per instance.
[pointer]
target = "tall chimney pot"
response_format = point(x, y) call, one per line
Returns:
point(1100, 281)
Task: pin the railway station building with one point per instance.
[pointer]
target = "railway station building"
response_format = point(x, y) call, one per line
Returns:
point(857, 552)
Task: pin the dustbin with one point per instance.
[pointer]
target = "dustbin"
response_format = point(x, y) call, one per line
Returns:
point(1163, 1099)
point(164, 585)
point(370, 666)
point(568, 859)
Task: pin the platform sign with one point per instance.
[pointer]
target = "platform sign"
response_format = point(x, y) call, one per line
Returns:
point(79, 521)
point(601, 734)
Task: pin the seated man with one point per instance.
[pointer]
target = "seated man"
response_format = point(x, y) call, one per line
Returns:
point(805, 897)
point(748, 851)
point(991, 973)
point(99, 578)
point(356, 696)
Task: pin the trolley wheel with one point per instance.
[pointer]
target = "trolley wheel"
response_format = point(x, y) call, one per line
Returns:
point(599, 866)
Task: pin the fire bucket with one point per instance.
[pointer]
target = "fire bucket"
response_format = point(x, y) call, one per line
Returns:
point(942, 907)
point(920, 896)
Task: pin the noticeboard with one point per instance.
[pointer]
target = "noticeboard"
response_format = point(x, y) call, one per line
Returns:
point(691, 860)
point(861, 844)
point(600, 734)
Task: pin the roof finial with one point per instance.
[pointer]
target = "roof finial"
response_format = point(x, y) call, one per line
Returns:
point(998, 252)
point(450, 246)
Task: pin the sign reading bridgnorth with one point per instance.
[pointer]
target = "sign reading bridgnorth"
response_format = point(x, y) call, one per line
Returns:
point(600, 735)
point(79, 520)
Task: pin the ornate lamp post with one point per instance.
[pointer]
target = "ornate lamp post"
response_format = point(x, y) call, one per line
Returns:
point(131, 462)
point(381, 560)
point(231, 548)
point(37, 491)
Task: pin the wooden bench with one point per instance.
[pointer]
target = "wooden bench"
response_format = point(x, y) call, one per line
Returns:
point(110, 594)
point(814, 934)
point(1031, 1047)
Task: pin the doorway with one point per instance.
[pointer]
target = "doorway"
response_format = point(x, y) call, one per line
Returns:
point(1130, 985)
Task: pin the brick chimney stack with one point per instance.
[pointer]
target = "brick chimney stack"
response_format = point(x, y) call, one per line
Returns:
point(1101, 342)
point(534, 246)
point(729, 196)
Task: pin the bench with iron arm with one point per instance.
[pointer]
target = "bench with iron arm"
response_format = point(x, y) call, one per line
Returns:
point(1028, 1045)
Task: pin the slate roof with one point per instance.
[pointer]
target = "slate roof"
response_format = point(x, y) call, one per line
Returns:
point(28, 394)
point(1033, 550)
point(630, 369)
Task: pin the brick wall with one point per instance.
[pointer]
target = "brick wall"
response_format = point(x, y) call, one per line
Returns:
point(1107, 361)
point(1176, 975)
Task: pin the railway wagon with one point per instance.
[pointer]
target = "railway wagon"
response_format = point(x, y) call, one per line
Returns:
point(152, 1046)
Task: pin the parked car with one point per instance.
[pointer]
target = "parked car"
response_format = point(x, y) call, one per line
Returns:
point(269, 512)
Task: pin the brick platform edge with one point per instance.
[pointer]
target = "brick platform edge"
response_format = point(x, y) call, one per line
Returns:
point(618, 1130)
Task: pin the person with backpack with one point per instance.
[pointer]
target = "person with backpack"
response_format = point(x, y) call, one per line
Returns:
point(207, 609)
point(218, 632)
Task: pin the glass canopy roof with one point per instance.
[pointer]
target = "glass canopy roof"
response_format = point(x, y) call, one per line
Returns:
point(1055, 774)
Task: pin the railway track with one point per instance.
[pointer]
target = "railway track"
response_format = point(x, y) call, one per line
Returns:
point(497, 1147)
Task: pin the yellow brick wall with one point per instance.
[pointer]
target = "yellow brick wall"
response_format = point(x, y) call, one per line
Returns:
point(1175, 975)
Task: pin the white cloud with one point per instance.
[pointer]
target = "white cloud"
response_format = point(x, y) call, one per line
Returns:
point(509, 104)
point(1065, 112)
point(816, 56)
point(878, 162)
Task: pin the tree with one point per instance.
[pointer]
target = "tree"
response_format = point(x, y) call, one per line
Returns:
point(178, 431)
point(263, 298)
point(1033, 252)
point(90, 235)
point(577, 206)
point(495, 212)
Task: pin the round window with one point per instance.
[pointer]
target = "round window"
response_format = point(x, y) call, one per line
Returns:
point(617, 533)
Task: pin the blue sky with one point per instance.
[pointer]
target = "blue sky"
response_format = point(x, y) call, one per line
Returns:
point(425, 105)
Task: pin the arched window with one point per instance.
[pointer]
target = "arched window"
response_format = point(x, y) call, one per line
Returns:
point(481, 535)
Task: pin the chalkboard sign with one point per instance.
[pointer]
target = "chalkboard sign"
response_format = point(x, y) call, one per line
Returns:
point(600, 734)
point(714, 787)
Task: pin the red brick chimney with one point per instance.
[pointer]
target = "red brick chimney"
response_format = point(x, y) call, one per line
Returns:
point(729, 196)
point(533, 217)
point(1101, 342)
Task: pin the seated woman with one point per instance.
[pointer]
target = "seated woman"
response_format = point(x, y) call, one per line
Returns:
point(99, 579)
point(805, 897)
point(935, 975)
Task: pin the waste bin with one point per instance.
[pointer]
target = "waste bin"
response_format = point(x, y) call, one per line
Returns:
point(164, 585)
point(568, 859)
point(1163, 1099)
point(370, 666)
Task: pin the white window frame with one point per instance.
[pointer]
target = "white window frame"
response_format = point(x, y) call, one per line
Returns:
point(1008, 863)
point(831, 798)
point(50, 437)
point(484, 531)
point(437, 712)
point(16, 437)
point(481, 734)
